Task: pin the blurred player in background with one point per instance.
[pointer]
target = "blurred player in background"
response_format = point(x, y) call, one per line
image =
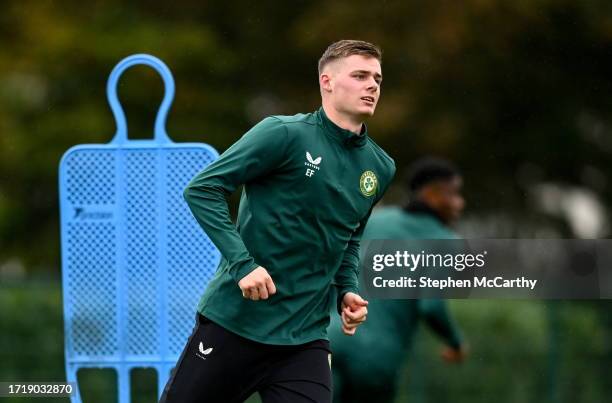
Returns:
point(366, 367)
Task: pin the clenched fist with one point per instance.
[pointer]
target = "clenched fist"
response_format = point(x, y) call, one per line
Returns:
point(257, 285)
point(354, 312)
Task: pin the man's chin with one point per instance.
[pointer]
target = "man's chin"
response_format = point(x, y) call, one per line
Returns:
point(360, 113)
point(365, 113)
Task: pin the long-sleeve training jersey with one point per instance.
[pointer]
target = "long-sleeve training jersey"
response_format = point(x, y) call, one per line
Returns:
point(309, 188)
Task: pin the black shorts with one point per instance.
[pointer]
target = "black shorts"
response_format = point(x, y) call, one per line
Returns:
point(220, 366)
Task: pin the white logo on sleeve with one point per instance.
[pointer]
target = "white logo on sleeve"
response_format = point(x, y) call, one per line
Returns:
point(312, 164)
point(204, 352)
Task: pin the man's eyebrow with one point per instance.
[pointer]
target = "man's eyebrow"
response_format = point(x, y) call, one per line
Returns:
point(377, 75)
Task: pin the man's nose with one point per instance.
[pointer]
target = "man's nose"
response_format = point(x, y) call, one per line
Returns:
point(373, 85)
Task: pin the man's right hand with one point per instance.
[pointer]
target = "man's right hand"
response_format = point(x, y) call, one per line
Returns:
point(257, 285)
point(453, 355)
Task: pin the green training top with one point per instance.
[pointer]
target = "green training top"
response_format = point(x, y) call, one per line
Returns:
point(376, 351)
point(309, 188)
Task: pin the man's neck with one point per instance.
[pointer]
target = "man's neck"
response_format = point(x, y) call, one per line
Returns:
point(419, 205)
point(342, 120)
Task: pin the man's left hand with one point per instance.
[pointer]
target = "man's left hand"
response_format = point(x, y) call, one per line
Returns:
point(354, 312)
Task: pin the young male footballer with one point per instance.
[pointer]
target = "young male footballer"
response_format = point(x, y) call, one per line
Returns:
point(310, 183)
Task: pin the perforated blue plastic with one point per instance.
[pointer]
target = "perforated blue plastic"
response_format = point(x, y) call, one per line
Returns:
point(134, 260)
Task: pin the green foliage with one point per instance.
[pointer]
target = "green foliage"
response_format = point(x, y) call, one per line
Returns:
point(520, 351)
point(515, 92)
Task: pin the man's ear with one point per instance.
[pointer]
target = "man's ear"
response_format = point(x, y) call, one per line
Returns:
point(325, 82)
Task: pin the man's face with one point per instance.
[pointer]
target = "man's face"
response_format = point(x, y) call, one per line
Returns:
point(353, 85)
point(445, 197)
